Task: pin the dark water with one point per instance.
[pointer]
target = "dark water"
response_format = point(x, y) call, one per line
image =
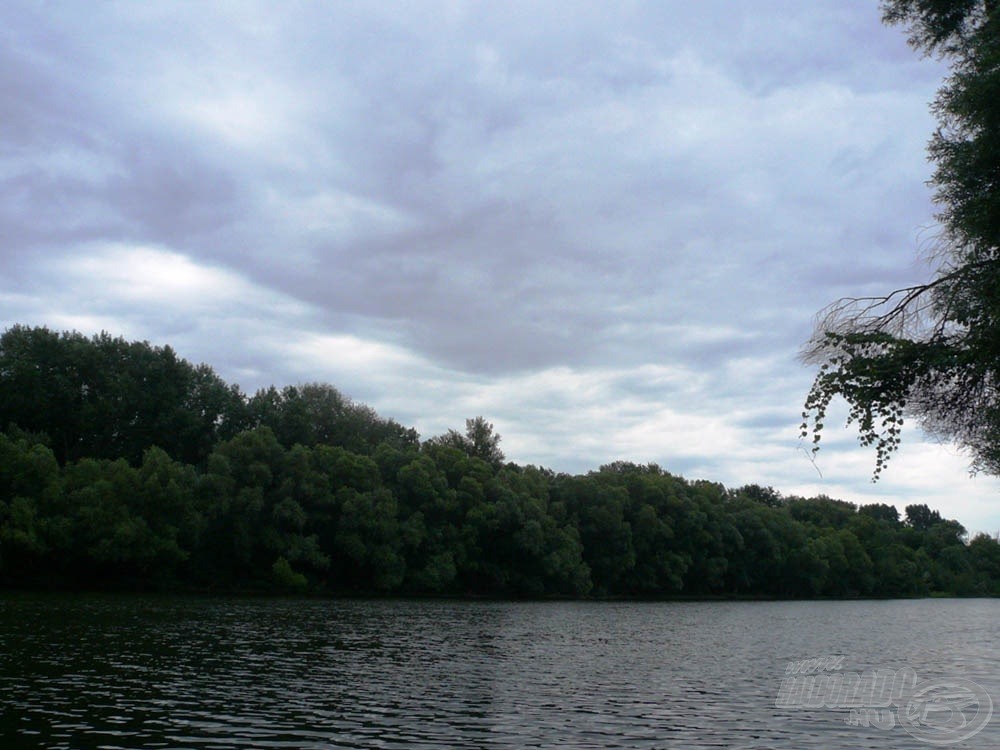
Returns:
point(146, 672)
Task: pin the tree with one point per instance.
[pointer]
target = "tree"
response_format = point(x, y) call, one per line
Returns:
point(479, 441)
point(597, 509)
point(881, 512)
point(932, 351)
point(764, 495)
point(318, 414)
point(984, 554)
point(921, 518)
point(368, 537)
point(30, 490)
point(822, 511)
point(104, 397)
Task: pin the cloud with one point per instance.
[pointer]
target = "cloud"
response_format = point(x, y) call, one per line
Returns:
point(606, 228)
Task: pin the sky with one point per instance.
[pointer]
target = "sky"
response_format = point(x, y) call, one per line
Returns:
point(605, 227)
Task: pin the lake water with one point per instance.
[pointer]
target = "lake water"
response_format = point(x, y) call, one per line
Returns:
point(148, 672)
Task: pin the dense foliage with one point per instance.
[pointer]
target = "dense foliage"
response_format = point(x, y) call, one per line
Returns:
point(123, 466)
point(932, 351)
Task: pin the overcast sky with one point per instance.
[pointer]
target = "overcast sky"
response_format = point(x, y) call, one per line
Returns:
point(606, 227)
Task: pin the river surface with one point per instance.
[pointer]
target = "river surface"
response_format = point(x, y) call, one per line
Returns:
point(86, 671)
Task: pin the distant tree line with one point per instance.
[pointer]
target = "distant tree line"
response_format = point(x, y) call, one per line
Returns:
point(124, 466)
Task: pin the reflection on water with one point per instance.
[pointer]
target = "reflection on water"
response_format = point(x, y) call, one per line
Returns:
point(131, 672)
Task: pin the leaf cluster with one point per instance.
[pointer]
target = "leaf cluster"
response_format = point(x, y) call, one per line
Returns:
point(932, 351)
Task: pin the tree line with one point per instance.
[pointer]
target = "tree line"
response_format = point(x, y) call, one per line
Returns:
point(124, 466)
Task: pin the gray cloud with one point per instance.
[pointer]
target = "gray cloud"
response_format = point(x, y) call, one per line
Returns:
point(607, 227)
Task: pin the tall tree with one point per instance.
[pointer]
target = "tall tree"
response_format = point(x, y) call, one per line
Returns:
point(103, 397)
point(932, 351)
point(479, 441)
point(319, 414)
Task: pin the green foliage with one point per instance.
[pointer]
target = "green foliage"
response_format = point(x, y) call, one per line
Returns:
point(881, 512)
point(984, 556)
point(479, 441)
point(598, 510)
point(302, 499)
point(286, 578)
point(104, 397)
point(822, 512)
point(318, 414)
point(921, 518)
point(932, 351)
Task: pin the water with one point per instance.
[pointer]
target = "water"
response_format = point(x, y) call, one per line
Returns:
point(149, 672)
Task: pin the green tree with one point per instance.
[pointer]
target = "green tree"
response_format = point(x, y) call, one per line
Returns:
point(921, 518)
point(984, 554)
point(822, 512)
point(764, 495)
point(317, 413)
point(760, 565)
point(897, 571)
point(597, 509)
point(368, 536)
point(116, 538)
point(518, 546)
point(655, 502)
point(239, 489)
point(658, 569)
point(166, 498)
point(431, 531)
point(104, 397)
point(286, 578)
point(849, 569)
point(479, 441)
point(932, 351)
point(30, 495)
point(881, 512)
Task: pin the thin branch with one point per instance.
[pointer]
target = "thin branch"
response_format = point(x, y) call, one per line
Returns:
point(909, 305)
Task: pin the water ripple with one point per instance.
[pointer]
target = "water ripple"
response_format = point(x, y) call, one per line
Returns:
point(130, 672)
